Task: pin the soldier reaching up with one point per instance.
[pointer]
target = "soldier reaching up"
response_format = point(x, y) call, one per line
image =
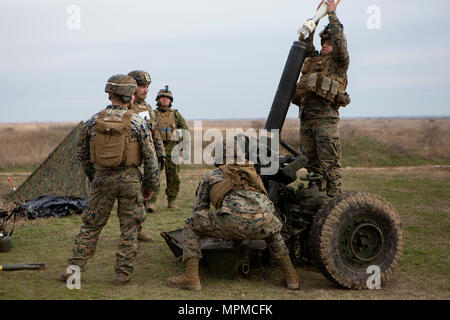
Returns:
point(319, 94)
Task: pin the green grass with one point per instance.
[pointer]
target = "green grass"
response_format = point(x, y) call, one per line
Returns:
point(420, 198)
point(366, 152)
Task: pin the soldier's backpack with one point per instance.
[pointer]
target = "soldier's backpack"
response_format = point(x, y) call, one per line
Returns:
point(113, 145)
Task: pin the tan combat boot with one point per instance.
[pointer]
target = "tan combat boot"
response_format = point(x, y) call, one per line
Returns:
point(143, 237)
point(172, 205)
point(149, 206)
point(190, 280)
point(290, 274)
point(121, 279)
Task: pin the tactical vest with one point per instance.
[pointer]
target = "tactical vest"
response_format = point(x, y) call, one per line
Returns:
point(113, 145)
point(316, 80)
point(166, 123)
point(237, 177)
point(144, 111)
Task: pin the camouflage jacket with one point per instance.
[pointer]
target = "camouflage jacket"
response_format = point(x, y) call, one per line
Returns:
point(239, 201)
point(314, 106)
point(180, 123)
point(139, 131)
point(144, 109)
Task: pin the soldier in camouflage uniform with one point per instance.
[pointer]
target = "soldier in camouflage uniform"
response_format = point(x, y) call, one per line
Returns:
point(141, 107)
point(243, 211)
point(169, 120)
point(113, 143)
point(319, 94)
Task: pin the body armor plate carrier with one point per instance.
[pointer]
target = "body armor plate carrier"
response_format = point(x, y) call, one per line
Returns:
point(113, 145)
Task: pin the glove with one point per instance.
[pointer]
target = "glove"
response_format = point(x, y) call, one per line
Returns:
point(162, 161)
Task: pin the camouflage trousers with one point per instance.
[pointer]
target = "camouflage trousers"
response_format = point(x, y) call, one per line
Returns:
point(172, 180)
point(232, 227)
point(107, 186)
point(320, 143)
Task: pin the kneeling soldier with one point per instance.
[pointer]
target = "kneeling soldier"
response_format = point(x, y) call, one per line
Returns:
point(243, 211)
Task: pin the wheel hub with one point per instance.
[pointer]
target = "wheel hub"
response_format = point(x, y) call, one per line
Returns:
point(362, 241)
point(366, 242)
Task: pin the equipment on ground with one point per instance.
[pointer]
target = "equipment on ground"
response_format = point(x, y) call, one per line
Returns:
point(5, 236)
point(22, 266)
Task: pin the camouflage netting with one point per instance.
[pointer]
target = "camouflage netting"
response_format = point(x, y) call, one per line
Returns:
point(60, 174)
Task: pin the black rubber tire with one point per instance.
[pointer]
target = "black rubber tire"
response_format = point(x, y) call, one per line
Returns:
point(332, 253)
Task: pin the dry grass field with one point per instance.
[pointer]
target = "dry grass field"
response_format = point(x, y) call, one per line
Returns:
point(26, 145)
point(365, 142)
point(405, 161)
point(425, 138)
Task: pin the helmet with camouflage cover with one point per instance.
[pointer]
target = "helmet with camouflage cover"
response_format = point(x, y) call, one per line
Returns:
point(121, 85)
point(142, 78)
point(165, 93)
point(325, 34)
point(229, 151)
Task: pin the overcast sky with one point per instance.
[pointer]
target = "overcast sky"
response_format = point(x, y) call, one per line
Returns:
point(221, 59)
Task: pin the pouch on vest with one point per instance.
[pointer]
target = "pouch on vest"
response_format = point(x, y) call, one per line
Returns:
point(166, 133)
point(326, 84)
point(133, 153)
point(312, 82)
point(166, 124)
point(324, 87)
point(109, 142)
point(342, 99)
point(332, 89)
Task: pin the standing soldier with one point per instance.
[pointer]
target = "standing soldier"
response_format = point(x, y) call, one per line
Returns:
point(113, 144)
point(319, 94)
point(243, 211)
point(169, 120)
point(141, 107)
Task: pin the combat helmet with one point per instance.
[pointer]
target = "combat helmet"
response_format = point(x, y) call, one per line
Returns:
point(325, 34)
point(142, 78)
point(229, 150)
point(121, 85)
point(165, 93)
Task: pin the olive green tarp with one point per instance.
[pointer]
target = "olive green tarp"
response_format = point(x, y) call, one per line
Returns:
point(60, 174)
